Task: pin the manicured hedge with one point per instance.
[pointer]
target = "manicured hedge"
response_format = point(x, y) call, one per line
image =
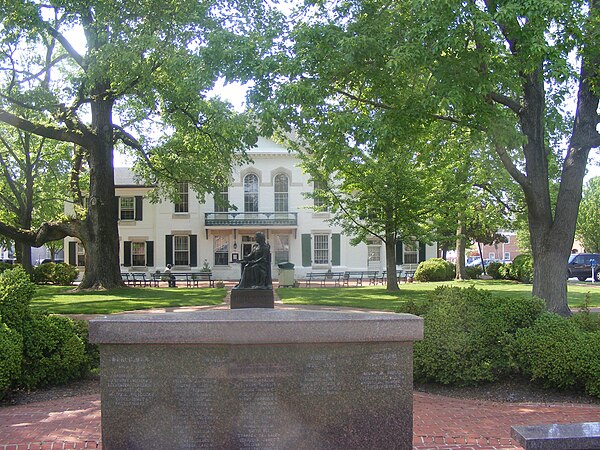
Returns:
point(466, 333)
point(16, 292)
point(472, 337)
point(521, 269)
point(559, 354)
point(473, 272)
point(11, 355)
point(434, 269)
point(53, 353)
point(61, 274)
point(37, 349)
point(493, 270)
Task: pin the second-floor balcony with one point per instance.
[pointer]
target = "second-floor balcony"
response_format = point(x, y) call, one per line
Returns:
point(239, 219)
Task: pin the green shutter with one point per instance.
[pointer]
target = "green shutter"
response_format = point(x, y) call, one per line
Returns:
point(399, 253)
point(127, 253)
point(73, 253)
point(169, 249)
point(193, 250)
point(306, 250)
point(150, 253)
point(422, 256)
point(139, 202)
point(335, 249)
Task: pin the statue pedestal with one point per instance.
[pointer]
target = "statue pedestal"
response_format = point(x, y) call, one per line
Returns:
point(252, 298)
point(256, 379)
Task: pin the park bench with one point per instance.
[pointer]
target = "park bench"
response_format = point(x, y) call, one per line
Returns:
point(191, 279)
point(381, 278)
point(322, 277)
point(136, 279)
point(358, 276)
point(584, 435)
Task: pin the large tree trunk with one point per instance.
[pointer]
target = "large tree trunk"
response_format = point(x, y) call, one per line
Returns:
point(552, 230)
point(101, 234)
point(23, 255)
point(552, 236)
point(461, 272)
point(390, 263)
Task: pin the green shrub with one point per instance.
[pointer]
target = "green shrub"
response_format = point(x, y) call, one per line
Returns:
point(43, 273)
point(5, 266)
point(504, 271)
point(585, 319)
point(591, 368)
point(16, 292)
point(65, 274)
point(92, 351)
point(466, 335)
point(473, 272)
point(53, 353)
point(522, 268)
point(560, 354)
point(493, 270)
point(11, 353)
point(434, 269)
point(549, 351)
point(61, 274)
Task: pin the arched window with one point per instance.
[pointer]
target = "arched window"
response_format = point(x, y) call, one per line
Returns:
point(251, 193)
point(281, 193)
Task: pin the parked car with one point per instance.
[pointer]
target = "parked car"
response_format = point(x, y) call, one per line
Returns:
point(48, 260)
point(477, 262)
point(580, 266)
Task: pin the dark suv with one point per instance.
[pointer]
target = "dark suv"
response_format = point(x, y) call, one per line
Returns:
point(580, 266)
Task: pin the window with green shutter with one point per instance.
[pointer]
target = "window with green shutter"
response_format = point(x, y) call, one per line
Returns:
point(336, 249)
point(306, 250)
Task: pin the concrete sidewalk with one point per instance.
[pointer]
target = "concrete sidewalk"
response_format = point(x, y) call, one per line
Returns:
point(439, 422)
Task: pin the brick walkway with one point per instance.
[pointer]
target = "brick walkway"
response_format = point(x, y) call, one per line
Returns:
point(439, 422)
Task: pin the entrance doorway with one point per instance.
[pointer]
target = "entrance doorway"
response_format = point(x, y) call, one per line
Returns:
point(374, 255)
point(247, 243)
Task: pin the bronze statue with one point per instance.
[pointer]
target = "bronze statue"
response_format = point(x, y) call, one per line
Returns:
point(256, 266)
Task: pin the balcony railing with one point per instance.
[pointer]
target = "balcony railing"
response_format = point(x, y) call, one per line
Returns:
point(229, 219)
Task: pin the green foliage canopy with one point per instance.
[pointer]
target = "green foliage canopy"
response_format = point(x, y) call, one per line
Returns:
point(588, 220)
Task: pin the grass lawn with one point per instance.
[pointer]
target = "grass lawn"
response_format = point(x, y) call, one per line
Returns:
point(61, 300)
point(376, 297)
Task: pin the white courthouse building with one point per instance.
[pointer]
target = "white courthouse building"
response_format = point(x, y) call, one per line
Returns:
point(269, 196)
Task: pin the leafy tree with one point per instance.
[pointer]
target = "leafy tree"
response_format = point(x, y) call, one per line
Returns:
point(128, 73)
point(53, 247)
point(499, 67)
point(588, 221)
point(378, 186)
point(33, 181)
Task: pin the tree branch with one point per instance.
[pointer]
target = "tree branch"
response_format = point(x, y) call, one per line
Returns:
point(42, 130)
point(506, 101)
point(510, 167)
point(66, 45)
point(45, 233)
point(364, 100)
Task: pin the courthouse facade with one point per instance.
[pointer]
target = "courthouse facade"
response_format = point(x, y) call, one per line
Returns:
point(269, 196)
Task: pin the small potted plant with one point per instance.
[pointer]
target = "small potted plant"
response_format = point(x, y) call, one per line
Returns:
point(205, 267)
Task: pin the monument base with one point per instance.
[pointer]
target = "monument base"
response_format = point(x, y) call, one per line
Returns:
point(252, 298)
point(256, 379)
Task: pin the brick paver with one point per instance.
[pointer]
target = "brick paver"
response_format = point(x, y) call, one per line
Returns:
point(439, 422)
